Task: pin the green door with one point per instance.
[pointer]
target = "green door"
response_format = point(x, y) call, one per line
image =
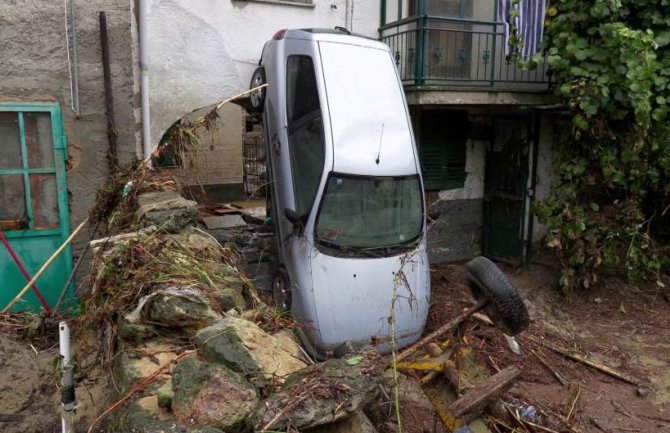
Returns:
point(505, 188)
point(33, 202)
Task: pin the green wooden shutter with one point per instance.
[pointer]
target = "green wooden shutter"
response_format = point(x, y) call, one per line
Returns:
point(442, 149)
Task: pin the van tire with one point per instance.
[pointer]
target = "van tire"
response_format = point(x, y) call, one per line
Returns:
point(505, 306)
point(257, 98)
point(281, 291)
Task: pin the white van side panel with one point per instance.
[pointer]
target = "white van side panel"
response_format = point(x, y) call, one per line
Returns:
point(368, 115)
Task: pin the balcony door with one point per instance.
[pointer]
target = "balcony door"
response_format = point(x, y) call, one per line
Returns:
point(449, 39)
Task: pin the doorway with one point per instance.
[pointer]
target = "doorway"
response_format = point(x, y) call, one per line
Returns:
point(506, 190)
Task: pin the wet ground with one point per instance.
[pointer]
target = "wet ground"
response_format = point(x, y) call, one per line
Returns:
point(623, 326)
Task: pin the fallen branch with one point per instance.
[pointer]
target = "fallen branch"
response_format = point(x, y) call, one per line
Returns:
point(136, 389)
point(586, 361)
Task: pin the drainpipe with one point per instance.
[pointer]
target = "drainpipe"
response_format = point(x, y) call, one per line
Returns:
point(144, 71)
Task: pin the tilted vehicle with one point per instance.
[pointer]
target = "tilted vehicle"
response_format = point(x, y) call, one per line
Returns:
point(346, 192)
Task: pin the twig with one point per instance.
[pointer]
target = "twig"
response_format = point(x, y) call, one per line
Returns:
point(574, 403)
point(549, 367)
point(567, 423)
point(600, 367)
point(619, 409)
point(135, 389)
point(281, 412)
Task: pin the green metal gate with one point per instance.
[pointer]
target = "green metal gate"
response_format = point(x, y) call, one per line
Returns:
point(505, 189)
point(33, 202)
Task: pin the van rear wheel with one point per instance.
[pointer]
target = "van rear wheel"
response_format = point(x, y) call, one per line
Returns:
point(505, 307)
point(281, 291)
point(257, 97)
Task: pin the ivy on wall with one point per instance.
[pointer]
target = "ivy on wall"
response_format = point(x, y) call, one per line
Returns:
point(610, 60)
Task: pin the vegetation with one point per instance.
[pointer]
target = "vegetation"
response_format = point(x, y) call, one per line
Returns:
point(610, 60)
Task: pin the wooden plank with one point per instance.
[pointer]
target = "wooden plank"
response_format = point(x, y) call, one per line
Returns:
point(490, 389)
point(420, 366)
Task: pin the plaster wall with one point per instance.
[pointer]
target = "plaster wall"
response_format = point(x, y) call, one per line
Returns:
point(552, 129)
point(34, 67)
point(204, 52)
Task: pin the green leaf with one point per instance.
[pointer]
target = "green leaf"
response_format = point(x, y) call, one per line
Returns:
point(595, 207)
point(354, 360)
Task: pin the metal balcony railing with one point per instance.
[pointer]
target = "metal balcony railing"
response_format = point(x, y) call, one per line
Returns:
point(448, 52)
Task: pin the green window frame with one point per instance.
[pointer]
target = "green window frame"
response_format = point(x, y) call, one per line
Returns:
point(442, 148)
point(34, 173)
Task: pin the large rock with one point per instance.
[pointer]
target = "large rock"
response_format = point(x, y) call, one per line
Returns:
point(321, 394)
point(135, 363)
point(210, 395)
point(247, 349)
point(167, 210)
point(181, 307)
point(142, 413)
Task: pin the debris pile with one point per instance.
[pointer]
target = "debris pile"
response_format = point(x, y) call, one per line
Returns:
point(191, 345)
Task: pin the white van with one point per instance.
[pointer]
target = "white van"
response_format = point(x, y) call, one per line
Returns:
point(346, 190)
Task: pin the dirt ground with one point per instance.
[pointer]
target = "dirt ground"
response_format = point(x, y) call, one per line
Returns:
point(625, 327)
point(29, 396)
point(618, 325)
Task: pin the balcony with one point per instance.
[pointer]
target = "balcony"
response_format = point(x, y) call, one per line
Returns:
point(434, 53)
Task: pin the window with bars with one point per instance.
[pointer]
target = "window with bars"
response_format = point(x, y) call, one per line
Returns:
point(442, 138)
point(28, 180)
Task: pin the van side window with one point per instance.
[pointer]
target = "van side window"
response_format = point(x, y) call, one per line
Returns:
point(305, 130)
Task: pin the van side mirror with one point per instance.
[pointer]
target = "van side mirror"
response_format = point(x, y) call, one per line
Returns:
point(294, 217)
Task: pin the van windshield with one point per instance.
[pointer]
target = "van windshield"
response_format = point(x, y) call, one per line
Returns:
point(369, 213)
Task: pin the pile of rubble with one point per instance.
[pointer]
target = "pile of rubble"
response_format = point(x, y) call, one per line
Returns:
point(194, 349)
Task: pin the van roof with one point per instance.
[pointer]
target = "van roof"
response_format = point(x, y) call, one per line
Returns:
point(337, 34)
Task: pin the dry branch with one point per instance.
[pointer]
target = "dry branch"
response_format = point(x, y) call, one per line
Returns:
point(586, 361)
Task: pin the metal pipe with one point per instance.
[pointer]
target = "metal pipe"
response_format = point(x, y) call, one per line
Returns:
point(112, 154)
point(144, 69)
point(72, 66)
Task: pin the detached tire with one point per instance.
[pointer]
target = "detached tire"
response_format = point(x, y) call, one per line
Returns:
point(257, 97)
point(281, 291)
point(505, 306)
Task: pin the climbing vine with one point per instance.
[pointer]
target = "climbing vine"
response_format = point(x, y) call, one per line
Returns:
point(610, 61)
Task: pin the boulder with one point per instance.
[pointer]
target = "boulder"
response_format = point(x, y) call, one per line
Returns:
point(142, 413)
point(185, 307)
point(134, 363)
point(245, 348)
point(167, 210)
point(229, 299)
point(321, 394)
point(208, 395)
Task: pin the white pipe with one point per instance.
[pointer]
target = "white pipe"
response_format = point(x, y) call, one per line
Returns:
point(68, 401)
point(64, 343)
point(144, 70)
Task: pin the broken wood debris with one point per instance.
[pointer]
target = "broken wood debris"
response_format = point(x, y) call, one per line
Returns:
point(481, 395)
point(453, 323)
